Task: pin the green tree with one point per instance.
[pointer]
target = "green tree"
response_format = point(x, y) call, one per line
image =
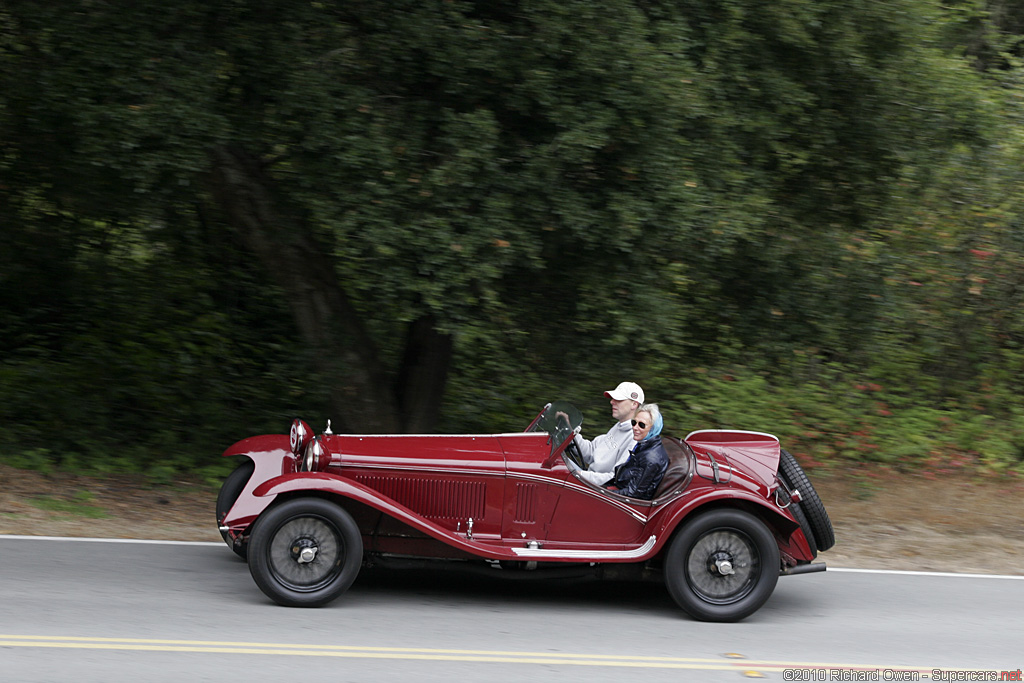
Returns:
point(646, 184)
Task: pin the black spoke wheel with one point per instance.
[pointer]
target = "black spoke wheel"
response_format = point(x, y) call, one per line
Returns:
point(229, 492)
point(305, 552)
point(810, 506)
point(722, 566)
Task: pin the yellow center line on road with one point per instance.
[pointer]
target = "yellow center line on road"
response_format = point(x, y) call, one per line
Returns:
point(426, 654)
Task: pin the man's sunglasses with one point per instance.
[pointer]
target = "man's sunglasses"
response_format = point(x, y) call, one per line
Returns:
point(635, 423)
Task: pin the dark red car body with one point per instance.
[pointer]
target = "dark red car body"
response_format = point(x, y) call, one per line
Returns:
point(510, 499)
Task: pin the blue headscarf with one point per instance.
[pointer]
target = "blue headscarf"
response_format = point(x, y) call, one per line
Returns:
point(655, 428)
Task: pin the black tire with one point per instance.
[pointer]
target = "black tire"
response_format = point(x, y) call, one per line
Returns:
point(805, 526)
point(229, 492)
point(283, 533)
point(702, 586)
point(810, 503)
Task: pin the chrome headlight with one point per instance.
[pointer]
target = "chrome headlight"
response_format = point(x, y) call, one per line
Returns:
point(316, 458)
point(299, 436)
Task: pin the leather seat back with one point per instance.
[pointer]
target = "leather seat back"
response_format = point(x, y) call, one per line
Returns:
point(679, 465)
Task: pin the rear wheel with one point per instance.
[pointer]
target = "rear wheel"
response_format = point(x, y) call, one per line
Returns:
point(229, 492)
point(722, 566)
point(810, 504)
point(305, 552)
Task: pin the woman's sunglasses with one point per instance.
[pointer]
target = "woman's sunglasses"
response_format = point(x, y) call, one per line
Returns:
point(635, 423)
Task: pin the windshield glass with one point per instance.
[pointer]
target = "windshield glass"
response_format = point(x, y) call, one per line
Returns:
point(559, 419)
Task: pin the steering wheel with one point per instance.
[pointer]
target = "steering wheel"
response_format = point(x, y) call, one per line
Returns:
point(574, 454)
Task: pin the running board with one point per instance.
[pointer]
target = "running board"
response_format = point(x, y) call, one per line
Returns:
point(586, 555)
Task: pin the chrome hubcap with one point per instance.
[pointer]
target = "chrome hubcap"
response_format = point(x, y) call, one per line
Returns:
point(723, 567)
point(307, 555)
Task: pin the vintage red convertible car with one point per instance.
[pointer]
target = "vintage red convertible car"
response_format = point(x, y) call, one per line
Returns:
point(732, 514)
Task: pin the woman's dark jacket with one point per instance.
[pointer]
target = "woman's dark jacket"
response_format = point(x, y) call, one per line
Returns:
point(640, 475)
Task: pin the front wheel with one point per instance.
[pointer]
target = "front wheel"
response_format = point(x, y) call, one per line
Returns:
point(305, 552)
point(722, 565)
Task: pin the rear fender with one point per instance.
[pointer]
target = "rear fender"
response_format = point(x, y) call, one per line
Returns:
point(792, 543)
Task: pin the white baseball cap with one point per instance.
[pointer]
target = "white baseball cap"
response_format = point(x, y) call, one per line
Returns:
point(626, 390)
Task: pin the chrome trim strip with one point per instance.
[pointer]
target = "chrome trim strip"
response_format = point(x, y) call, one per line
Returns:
point(439, 436)
point(734, 431)
point(413, 469)
point(541, 553)
point(536, 478)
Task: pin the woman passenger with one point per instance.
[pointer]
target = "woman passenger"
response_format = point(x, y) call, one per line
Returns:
point(640, 475)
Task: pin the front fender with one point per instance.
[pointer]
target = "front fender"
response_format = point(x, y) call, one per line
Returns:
point(324, 482)
point(271, 454)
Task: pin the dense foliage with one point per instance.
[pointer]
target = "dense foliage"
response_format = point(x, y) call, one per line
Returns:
point(797, 217)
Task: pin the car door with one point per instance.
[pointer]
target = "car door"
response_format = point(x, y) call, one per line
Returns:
point(546, 504)
point(588, 516)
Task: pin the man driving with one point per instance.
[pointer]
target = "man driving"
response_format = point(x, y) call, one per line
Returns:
point(606, 452)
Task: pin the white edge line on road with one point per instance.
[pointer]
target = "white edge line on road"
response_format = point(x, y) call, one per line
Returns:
point(6, 537)
point(215, 544)
point(917, 573)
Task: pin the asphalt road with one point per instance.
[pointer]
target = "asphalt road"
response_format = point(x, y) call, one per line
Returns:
point(88, 611)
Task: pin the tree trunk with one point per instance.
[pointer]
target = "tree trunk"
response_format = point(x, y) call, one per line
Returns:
point(422, 375)
point(362, 398)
